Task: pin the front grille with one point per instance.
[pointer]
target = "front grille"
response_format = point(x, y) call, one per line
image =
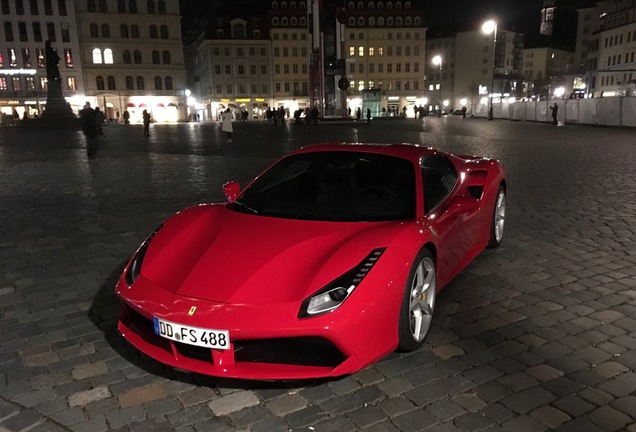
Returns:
point(301, 351)
point(144, 328)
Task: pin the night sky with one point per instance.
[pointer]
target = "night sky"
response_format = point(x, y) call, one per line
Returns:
point(447, 16)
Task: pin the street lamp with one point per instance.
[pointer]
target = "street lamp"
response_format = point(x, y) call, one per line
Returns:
point(488, 27)
point(437, 60)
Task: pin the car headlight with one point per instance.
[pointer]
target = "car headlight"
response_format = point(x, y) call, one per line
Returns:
point(137, 260)
point(335, 293)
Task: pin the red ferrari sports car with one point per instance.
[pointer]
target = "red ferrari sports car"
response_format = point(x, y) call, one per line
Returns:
point(326, 262)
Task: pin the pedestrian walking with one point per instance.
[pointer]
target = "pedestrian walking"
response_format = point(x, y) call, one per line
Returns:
point(555, 110)
point(126, 117)
point(99, 121)
point(88, 121)
point(146, 118)
point(368, 115)
point(314, 115)
point(227, 124)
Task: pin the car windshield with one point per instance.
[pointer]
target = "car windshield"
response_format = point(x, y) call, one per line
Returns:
point(333, 186)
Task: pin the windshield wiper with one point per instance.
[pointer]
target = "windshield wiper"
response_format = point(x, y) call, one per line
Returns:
point(246, 207)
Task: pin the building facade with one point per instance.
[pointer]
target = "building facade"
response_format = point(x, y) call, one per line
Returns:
point(27, 25)
point(385, 57)
point(133, 58)
point(232, 60)
point(488, 68)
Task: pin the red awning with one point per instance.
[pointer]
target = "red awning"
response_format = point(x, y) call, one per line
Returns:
point(160, 105)
point(142, 105)
point(130, 105)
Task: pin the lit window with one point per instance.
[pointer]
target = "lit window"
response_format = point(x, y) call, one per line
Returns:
point(361, 51)
point(371, 51)
point(97, 56)
point(70, 83)
point(352, 51)
point(108, 56)
point(68, 58)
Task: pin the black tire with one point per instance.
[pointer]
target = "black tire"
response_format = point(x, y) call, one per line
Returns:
point(418, 302)
point(497, 223)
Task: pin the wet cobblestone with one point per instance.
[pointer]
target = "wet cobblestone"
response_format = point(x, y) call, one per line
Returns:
point(537, 335)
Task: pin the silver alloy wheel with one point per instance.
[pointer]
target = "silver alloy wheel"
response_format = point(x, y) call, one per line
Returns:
point(422, 300)
point(500, 215)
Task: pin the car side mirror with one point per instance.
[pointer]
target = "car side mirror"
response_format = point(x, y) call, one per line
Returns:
point(231, 190)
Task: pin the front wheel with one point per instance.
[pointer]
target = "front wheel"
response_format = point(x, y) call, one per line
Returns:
point(498, 219)
point(418, 302)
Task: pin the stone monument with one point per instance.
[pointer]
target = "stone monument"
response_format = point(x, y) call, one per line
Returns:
point(56, 106)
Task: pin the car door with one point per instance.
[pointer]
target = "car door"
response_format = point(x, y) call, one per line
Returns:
point(453, 228)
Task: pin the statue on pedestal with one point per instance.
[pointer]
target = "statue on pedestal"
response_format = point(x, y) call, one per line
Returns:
point(56, 105)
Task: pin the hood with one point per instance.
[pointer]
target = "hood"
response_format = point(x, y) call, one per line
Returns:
point(212, 253)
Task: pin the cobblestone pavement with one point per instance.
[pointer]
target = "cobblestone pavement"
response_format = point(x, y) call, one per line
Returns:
point(537, 335)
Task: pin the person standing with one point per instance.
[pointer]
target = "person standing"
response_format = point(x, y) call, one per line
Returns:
point(227, 124)
point(146, 118)
point(88, 120)
point(555, 110)
point(368, 115)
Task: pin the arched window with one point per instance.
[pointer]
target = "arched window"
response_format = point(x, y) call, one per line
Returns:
point(158, 83)
point(371, 21)
point(151, 6)
point(90, 6)
point(102, 6)
point(168, 83)
point(134, 31)
point(132, 6)
point(97, 56)
point(302, 5)
point(417, 21)
point(155, 57)
point(283, 5)
point(274, 5)
point(129, 83)
point(407, 21)
point(380, 5)
point(164, 32)
point(153, 32)
point(123, 31)
point(108, 56)
point(371, 5)
point(360, 21)
point(398, 21)
point(110, 82)
point(140, 83)
point(94, 30)
point(389, 21)
point(162, 7)
point(275, 21)
point(284, 21)
point(389, 5)
point(121, 6)
point(292, 5)
point(105, 31)
point(137, 56)
point(350, 5)
point(303, 21)
point(360, 5)
point(381, 21)
point(166, 57)
point(127, 57)
point(294, 21)
point(352, 21)
point(398, 5)
point(99, 81)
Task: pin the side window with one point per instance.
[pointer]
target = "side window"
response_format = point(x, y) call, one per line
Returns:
point(439, 178)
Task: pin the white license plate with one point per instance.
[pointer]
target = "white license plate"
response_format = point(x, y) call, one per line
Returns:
point(207, 338)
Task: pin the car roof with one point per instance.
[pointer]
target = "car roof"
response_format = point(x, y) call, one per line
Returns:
point(404, 150)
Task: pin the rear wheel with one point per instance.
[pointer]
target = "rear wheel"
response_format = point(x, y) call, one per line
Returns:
point(418, 302)
point(498, 219)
